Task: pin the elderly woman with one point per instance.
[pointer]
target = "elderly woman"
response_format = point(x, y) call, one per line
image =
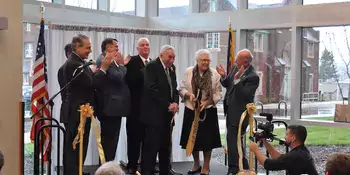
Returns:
point(201, 84)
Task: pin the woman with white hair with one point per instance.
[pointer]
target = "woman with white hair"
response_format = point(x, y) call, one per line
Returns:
point(201, 84)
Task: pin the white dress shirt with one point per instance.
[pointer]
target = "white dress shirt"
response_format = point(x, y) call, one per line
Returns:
point(144, 60)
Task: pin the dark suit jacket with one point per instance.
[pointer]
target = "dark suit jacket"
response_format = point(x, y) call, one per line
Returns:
point(239, 95)
point(113, 96)
point(156, 97)
point(134, 79)
point(80, 91)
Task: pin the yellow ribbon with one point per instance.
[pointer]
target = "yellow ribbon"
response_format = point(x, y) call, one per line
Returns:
point(193, 134)
point(251, 109)
point(85, 112)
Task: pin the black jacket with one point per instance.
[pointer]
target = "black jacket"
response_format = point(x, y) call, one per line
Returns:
point(240, 94)
point(113, 96)
point(80, 91)
point(156, 95)
point(134, 79)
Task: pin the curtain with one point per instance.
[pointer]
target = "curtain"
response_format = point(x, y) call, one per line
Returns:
point(185, 48)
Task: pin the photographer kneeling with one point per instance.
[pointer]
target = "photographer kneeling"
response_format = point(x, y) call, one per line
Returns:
point(297, 161)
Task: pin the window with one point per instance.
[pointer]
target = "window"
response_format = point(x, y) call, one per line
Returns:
point(310, 49)
point(123, 6)
point(258, 42)
point(273, 68)
point(90, 4)
point(324, 75)
point(308, 2)
point(217, 5)
point(28, 50)
point(253, 4)
point(103, 5)
point(28, 27)
point(213, 40)
point(261, 76)
point(45, 0)
point(173, 8)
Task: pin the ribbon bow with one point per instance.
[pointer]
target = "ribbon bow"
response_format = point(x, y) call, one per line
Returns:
point(86, 111)
point(249, 112)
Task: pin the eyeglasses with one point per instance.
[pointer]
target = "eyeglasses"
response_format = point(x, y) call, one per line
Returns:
point(205, 60)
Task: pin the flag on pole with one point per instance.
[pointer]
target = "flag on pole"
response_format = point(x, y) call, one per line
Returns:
point(230, 50)
point(40, 94)
point(230, 62)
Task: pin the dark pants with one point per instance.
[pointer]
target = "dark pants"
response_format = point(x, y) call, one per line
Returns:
point(135, 133)
point(157, 140)
point(110, 129)
point(233, 156)
point(70, 155)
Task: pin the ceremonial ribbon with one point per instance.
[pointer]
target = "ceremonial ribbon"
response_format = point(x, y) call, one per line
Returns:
point(85, 112)
point(251, 109)
point(193, 134)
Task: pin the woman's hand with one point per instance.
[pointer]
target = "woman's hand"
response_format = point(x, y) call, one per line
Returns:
point(191, 97)
point(203, 104)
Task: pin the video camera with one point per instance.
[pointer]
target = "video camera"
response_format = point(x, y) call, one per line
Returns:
point(267, 130)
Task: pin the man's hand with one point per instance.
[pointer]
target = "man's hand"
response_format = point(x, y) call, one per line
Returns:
point(220, 69)
point(107, 60)
point(191, 97)
point(253, 147)
point(203, 104)
point(173, 107)
point(127, 59)
point(119, 58)
point(94, 68)
point(239, 73)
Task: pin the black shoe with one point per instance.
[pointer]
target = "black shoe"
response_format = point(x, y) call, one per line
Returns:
point(195, 171)
point(204, 173)
point(156, 170)
point(173, 172)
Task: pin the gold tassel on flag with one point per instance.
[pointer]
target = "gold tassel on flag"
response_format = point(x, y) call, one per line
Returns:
point(85, 112)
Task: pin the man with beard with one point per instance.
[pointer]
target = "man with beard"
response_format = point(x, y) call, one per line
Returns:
point(80, 92)
point(297, 161)
point(113, 99)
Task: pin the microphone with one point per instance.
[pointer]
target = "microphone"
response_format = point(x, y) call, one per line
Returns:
point(91, 62)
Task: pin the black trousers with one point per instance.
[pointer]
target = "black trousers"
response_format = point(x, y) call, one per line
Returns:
point(70, 155)
point(110, 129)
point(135, 133)
point(156, 141)
point(233, 156)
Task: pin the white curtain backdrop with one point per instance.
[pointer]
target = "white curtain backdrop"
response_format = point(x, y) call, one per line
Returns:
point(185, 48)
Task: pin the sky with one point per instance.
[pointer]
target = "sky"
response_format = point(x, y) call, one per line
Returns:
point(333, 39)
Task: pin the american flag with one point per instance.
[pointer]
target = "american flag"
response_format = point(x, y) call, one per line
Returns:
point(40, 94)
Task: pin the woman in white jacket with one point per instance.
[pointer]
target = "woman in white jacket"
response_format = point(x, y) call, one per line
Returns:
point(201, 84)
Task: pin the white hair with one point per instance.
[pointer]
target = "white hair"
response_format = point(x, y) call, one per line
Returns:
point(246, 50)
point(142, 39)
point(202, 52)
point(166, 47)
point(110, 168)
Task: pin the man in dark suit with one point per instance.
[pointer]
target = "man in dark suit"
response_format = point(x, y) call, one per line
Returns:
point(60, 77)
point(113, 99)
point(158, 105)
point(241, 84)
point(80, 92)
point(134, 77)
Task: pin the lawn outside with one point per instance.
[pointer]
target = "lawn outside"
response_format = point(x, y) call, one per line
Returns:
point(317, 135)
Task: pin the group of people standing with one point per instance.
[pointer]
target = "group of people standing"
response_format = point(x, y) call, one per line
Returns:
point(146, 92)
